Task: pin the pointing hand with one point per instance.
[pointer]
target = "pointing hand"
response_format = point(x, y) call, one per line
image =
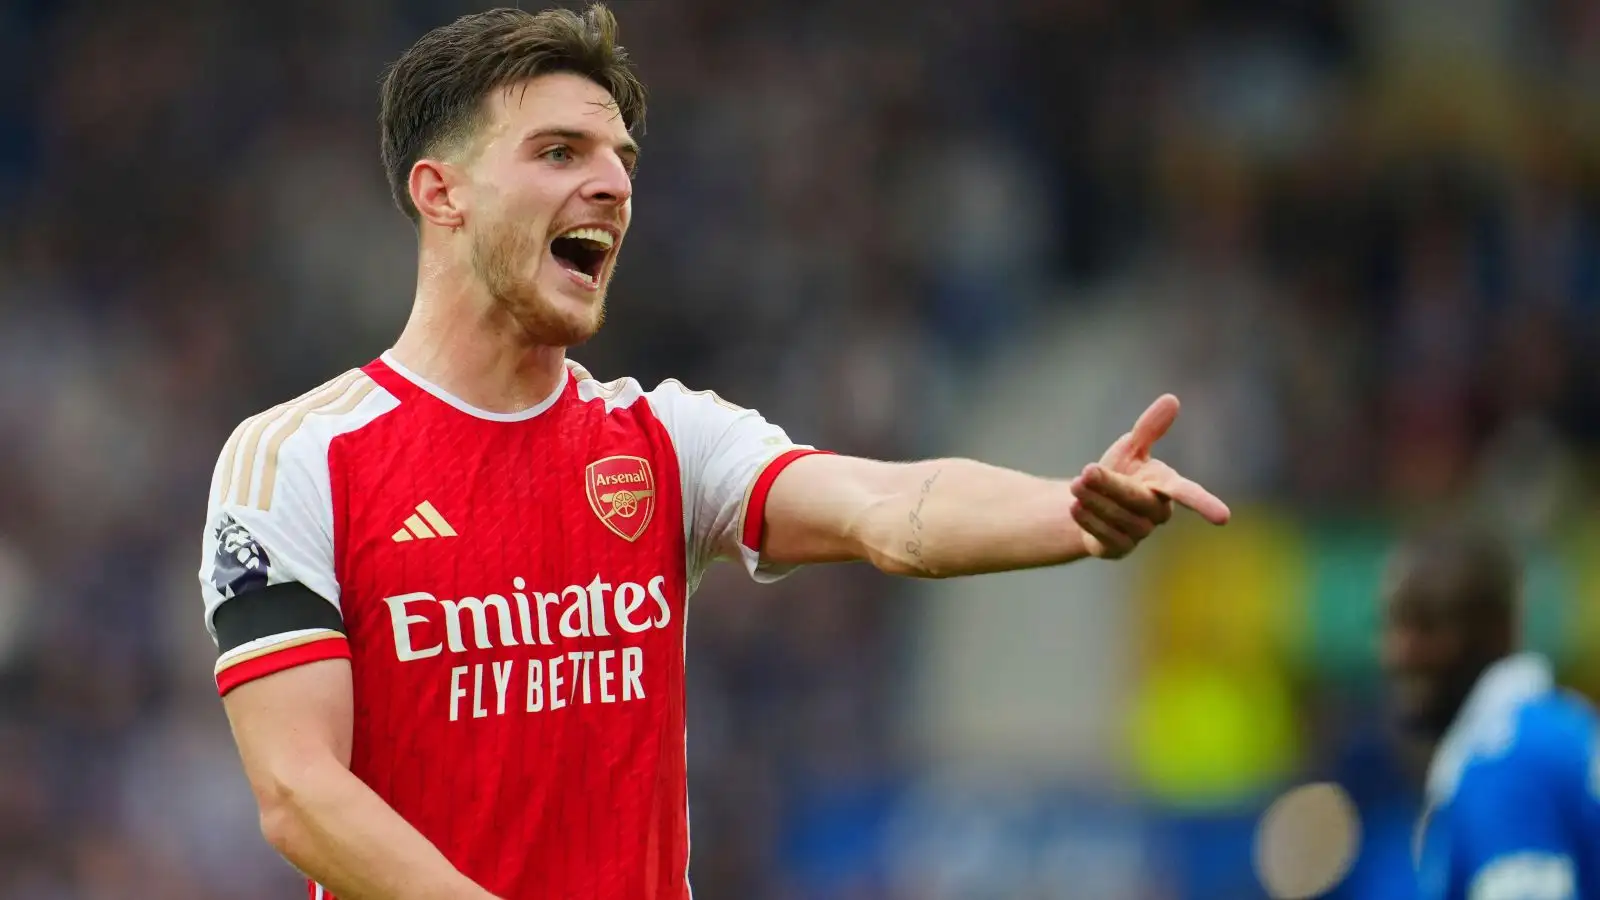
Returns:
point(1121, 499)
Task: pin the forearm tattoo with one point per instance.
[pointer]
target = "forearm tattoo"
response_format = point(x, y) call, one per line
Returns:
point(914, 544)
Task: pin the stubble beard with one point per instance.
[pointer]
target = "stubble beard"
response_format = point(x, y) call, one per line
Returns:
point(499, 258)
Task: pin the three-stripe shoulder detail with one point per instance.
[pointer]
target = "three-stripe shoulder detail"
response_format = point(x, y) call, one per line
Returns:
point(261, 437)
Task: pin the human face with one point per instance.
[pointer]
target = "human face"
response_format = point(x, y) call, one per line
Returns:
point(550, 188)
point(1429, 651)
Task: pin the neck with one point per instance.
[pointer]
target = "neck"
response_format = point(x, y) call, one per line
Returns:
point(460, 339)
point(1464, 685)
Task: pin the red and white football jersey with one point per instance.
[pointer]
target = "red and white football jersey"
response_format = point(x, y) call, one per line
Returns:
point(510, 590)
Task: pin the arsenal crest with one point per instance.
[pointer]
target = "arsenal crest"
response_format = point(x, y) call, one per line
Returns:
point(622, 492)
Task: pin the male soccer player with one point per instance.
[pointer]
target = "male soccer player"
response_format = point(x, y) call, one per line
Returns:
point(449, 586)
point(1512, 811)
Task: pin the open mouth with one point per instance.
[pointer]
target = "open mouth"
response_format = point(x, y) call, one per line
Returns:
point(582, 252)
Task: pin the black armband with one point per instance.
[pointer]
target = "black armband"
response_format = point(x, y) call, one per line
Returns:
point(271, 610)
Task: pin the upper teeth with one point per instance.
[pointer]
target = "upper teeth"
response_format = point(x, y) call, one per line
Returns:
point(598, 235)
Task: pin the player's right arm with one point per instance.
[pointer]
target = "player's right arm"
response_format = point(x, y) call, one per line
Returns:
point(272, 605)
point(293, 730)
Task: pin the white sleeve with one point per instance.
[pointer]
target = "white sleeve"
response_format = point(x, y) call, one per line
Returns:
point(254, 537)
point(728, 458)
point(269, 521)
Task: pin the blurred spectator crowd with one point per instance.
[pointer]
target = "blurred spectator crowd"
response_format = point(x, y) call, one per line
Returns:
point(1371, 228)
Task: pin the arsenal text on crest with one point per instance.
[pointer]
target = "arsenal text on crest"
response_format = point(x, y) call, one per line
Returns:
point(622, 492)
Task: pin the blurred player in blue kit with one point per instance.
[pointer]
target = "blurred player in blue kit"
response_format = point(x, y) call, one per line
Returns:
point(1512, 804)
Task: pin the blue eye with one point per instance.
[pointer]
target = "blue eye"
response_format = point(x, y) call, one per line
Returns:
point(560, 153)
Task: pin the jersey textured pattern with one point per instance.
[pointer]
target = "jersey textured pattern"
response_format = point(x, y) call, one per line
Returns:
point(511, 591)
point(1514, 794)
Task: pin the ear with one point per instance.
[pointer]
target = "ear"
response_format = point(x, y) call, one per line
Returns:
point(436, 189)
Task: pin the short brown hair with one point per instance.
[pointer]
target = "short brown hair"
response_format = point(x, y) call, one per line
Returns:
point(433, 94)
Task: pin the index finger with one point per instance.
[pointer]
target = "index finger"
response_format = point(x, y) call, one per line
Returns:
point(1117, 455)
point(1188, 493)
point(1152, 425)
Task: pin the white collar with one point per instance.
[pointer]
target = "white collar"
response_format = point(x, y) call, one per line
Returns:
point(439, 392)
point(1487, 720)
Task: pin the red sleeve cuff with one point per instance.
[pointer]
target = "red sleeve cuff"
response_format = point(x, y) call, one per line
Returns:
point(310, 649)
point(755, 509)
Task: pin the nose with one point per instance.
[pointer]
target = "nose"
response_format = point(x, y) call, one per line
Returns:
point(610, 185)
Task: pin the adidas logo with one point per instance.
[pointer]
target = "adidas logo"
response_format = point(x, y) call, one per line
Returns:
point(423, 524)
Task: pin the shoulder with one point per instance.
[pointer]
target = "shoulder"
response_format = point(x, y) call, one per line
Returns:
point(1549, 746)
point(1490, 728)
point(290, 440)
point(270, 514)
point(1556, 734)
point(703, 426)
point(670, 393)
point(673, 403)
point(618, 394)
